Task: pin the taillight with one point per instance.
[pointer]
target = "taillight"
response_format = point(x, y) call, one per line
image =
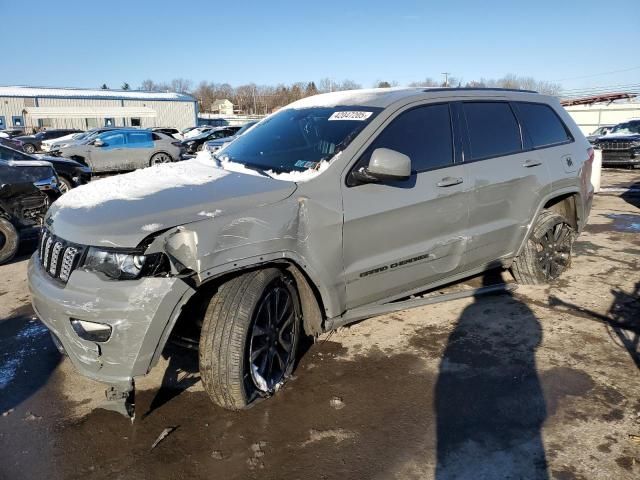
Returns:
point(591, 154)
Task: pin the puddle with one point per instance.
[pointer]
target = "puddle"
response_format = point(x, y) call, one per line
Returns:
point(625, 222)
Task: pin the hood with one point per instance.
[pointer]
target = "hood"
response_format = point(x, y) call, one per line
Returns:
point(25, 138)
point(221, 141)
point(619, 137)
point(122, 210)
point(59, 160)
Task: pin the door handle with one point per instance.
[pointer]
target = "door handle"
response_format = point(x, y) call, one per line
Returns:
point(531, 163)
point(449, 182)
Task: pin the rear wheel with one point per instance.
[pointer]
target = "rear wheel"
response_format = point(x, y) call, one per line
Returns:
point(9, 240)
point(249, 338)
point(160, 158)
point(547, 252)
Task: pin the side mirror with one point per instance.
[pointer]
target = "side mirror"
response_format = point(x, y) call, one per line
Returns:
point(98, 143)
point(384, 164)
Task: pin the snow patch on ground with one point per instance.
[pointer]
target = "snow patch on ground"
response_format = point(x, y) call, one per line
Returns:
point(28, 337)
point(210, 214)
point(141, 183)
point(151, 227)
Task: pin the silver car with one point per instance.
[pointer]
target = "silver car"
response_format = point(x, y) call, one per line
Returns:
point(123, 149)
point(336, 208)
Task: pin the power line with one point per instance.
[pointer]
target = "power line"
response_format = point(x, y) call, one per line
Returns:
point(597, 74)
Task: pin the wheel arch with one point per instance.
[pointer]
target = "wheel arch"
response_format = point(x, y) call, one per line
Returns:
point(564, 202)
point(311, 299)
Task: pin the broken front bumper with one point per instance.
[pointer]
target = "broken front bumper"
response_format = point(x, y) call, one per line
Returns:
point(139, 312)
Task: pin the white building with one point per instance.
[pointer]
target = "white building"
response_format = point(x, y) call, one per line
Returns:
point(222, 107)
point(590, 117)
point(30, 107)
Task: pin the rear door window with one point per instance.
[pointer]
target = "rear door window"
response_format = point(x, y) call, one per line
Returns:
point(493, 129)
point(542, 124)
point(422, 133)
point(139, 139)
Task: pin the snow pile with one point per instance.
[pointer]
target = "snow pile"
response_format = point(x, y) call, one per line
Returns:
point(142, 183)
point(4, 135)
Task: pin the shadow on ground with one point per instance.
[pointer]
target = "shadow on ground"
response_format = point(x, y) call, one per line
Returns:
point(28, 357)
point(489, 403)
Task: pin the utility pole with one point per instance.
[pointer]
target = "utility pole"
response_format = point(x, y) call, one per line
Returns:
point(446, 78)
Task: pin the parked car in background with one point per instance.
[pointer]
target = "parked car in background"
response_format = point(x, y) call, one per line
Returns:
point(11, 132)
point(33, 143)
point(70, 173)
point(621, 146)
point(218, 143)
point(598, 132)
point(11, 143)
point(55, 144)
point(336, 209)
point(196, 131)
point(194, 144)
point(172, 132)
point(123, 149)
point(26, 191)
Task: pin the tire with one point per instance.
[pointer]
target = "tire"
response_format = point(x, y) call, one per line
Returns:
point(9, 240)
point(236, 338)
point(547, 253)
point(65, 185)
point(29, 148)
point(159, 158)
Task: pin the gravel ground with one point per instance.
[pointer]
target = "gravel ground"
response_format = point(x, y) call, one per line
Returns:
point(540, 383)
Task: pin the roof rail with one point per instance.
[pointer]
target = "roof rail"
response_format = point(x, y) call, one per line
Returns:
point(484, 89)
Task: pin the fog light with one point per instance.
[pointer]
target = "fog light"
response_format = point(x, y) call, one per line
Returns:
point(91, 331)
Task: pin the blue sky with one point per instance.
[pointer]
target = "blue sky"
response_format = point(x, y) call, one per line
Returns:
point(86, 43)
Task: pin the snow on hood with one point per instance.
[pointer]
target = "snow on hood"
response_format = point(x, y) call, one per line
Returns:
point(122, 210)
point(141, 183)
point(293, 176)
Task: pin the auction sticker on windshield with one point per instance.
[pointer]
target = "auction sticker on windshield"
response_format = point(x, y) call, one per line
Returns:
point(360, 116)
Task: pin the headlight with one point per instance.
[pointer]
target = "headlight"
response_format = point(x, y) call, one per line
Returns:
point(114, 264)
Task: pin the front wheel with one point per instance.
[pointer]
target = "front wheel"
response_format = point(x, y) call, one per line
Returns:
point(9, 240)
point(29, 148)
point(249, 338)
point(547, 252)
point(65, 185)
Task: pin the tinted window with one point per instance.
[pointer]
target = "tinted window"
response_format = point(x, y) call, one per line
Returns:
point(493, 129)
point(139, 138)
point(9, 154)
point(423, 133)
point(542, 124)
point(112, 139)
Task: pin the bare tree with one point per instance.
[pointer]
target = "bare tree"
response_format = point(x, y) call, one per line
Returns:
point(427, 82)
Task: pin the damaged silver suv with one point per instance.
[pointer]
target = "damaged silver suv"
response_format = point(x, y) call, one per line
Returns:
point(336, 208)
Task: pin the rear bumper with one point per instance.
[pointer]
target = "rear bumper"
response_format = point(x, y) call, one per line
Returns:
point(138, 311)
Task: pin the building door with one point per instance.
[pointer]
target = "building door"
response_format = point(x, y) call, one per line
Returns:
point(3, 125)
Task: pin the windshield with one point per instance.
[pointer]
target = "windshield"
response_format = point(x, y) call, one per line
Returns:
point(298, 139)
point(626, 129)
point(245, 127)
point(11, 154)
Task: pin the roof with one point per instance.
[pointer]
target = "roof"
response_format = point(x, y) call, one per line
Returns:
point(48, 92)
point(383, 97)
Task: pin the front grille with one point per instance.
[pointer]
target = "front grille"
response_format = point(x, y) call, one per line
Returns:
point(615, 145)
point(58, 257)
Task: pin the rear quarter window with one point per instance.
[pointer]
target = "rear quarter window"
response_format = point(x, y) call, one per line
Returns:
point(493, 129)
point(542, 124)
